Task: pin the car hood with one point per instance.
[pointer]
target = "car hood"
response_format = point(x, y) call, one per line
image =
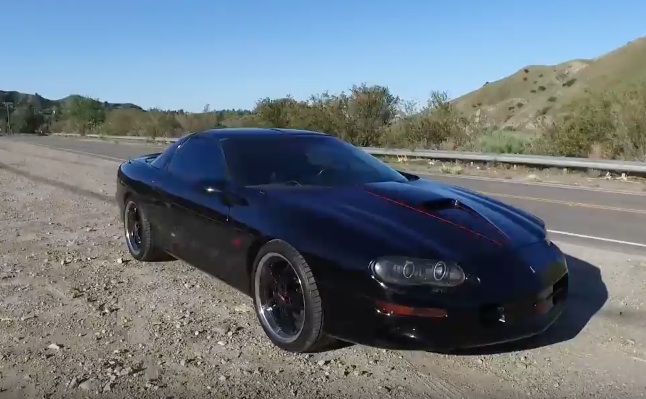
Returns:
point(420, 216)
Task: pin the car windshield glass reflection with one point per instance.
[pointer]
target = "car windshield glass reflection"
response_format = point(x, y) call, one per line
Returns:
point(302, 160)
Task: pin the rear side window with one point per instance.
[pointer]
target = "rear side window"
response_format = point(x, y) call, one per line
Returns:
point(198, 159)
point(162, 160)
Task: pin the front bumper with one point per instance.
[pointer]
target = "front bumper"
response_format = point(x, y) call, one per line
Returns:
point(458, 328)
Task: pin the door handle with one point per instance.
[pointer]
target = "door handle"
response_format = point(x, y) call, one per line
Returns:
point(161, 197)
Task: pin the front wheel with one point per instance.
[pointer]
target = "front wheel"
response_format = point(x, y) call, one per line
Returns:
point(286, 299)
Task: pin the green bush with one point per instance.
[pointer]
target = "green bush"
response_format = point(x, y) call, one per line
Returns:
point(502, 142)
point(569, 83)
point(609, 124)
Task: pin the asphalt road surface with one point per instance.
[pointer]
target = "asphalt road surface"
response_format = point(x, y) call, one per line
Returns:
point(599, 218)
point(79, 319)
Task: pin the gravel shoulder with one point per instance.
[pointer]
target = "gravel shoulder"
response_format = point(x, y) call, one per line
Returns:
point(79, 319)
point(524, 174)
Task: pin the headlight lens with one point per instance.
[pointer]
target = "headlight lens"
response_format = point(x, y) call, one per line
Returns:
point(418, 272)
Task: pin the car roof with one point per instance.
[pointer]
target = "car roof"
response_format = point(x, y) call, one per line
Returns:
point(255, 132)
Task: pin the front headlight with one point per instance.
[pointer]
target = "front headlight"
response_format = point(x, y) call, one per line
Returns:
point(418, 272)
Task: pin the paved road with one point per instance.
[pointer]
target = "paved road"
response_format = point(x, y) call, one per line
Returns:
point(609, 219)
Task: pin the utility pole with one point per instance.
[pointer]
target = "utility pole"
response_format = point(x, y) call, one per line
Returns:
point(8, 105)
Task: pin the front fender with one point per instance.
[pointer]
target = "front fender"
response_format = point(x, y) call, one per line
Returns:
point(338, 249)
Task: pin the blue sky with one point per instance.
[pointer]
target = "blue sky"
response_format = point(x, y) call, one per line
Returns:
point(185, 54)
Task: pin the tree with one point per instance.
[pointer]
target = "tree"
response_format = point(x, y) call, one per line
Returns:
point(25, 119)
point(275, 112)
point(85, 113)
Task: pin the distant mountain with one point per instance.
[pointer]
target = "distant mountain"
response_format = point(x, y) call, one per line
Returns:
point(42, 104)
point(30, 112)
point(544, 91)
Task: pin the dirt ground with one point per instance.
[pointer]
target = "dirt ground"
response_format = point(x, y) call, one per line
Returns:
point(79, 318)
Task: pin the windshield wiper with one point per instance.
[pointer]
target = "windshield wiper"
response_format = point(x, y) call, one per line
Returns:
point(289, 183)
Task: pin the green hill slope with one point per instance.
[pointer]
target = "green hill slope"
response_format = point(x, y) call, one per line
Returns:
point(536, 92)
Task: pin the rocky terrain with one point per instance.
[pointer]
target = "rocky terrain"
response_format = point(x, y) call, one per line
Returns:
point(79, 318)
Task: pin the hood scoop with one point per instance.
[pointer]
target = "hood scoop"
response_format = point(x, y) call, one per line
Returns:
point(440, 204)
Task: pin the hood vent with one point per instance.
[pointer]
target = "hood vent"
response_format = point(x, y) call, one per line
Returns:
point(451, 203)
point(440, 204)
point(448, 203)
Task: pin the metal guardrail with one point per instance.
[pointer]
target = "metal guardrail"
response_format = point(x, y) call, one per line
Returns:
point(535, 160)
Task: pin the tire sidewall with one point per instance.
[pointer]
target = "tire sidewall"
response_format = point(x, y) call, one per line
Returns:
point(145, 239)
point(313, 317)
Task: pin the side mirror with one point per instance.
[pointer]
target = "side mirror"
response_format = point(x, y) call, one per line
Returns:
point(228, 194)
point(408, 175)
point(211, 190)
point(211, 186)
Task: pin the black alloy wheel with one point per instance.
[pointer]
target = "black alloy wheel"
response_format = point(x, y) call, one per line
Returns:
point(133, 230)
point(138, 235)
point(287, 300)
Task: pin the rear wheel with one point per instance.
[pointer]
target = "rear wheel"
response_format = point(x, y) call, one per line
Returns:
point(286, 299)
point(138, 235)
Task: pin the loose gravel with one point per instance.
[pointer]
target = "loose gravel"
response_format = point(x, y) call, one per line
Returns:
point(80, 318)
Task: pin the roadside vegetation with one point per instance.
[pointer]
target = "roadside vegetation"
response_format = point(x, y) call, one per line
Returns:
point(599, 124)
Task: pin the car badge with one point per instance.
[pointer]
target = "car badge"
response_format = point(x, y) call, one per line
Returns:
point(501, 312)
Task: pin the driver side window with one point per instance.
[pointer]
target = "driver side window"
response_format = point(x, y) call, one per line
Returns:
point(198, 159)
point(325, 158)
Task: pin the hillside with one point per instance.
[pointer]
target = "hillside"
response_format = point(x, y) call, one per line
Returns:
point(520, 101)
point(42, 104)
point(31, 112)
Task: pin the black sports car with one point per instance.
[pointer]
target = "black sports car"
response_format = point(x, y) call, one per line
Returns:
point(332, 244)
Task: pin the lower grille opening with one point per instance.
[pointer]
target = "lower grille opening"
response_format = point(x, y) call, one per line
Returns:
point(492, 314)
point(499, 313)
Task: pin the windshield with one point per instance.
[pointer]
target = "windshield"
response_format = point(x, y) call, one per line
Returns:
point(304, 160)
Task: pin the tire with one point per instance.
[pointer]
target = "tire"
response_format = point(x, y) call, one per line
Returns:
point(145, 250)
point(311, 337)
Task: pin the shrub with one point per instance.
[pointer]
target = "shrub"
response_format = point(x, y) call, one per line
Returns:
point(569, 82)
point(611, 124)
point(502, 142)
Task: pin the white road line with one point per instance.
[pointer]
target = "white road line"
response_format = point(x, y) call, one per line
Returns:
point(565, 233)
point(537, 184)
point(81, 152)
point(421, 173)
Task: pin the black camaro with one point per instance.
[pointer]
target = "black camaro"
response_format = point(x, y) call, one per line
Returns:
point(331, 243)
